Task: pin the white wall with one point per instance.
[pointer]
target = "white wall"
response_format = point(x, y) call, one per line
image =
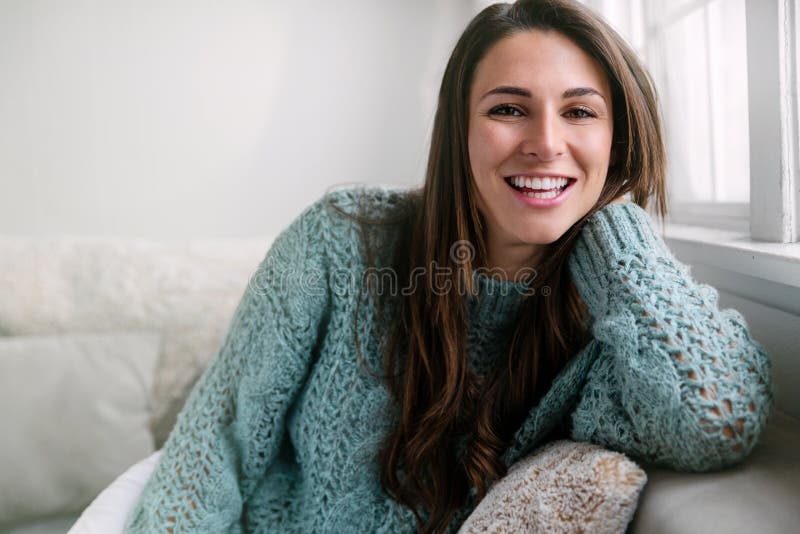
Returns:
point(179, 118)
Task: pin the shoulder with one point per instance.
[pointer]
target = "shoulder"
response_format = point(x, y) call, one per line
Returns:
point(378, 213)
point(332, 227)
point(342, 208)
point(369, 201)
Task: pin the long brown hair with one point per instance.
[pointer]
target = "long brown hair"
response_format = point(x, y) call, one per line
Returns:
point(424, 355)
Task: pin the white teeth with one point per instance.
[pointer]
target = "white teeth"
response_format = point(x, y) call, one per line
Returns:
point(548, 182)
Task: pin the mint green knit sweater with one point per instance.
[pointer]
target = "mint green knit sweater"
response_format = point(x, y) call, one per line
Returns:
point(282, 431)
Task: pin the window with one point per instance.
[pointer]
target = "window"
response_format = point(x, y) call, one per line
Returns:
point(697, 52)
point(726, 73)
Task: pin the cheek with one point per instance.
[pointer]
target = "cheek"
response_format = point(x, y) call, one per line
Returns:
point(593, 152)
point(490, 144)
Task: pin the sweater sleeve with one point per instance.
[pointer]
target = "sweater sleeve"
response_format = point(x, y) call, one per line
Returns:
point(232, 424)
point(677, 382)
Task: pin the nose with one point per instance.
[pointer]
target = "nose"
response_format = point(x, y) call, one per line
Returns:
point(543, 137)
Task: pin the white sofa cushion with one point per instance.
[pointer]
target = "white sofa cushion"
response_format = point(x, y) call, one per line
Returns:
point(74, 410)
point(108, 512)
point(186, 290)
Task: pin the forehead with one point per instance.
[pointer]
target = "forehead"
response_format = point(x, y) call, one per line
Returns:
point(542, 60)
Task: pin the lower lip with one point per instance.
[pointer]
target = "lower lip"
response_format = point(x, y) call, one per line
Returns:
point(544, 202)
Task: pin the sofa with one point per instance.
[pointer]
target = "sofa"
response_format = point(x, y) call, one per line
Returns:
point(102, 339)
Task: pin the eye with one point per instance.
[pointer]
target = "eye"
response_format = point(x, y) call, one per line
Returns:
point(583, 113)
point(505, 110)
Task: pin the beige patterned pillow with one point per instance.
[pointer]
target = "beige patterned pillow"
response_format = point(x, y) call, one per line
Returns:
point(564, 486)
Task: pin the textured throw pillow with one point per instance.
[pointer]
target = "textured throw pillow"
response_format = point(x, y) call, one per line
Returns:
point(564, 486)
point(74, 413)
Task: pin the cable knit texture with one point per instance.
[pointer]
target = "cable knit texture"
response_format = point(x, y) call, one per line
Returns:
point(282, 431)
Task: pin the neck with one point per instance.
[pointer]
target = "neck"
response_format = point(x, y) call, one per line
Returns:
point(512, 259)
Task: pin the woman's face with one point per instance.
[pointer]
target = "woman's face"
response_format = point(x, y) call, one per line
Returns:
point(539, 107)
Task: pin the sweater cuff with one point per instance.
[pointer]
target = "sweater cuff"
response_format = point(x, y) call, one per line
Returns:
point(608, 241)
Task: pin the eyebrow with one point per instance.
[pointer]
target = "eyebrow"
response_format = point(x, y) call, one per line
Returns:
point(569, 93)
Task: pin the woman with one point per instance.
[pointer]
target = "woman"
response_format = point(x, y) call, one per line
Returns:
point(515, 297)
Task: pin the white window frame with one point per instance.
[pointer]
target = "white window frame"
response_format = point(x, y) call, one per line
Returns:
point(772, 66)
point(773, 212)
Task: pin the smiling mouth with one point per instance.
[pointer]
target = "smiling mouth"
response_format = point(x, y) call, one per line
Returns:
point(540, 190)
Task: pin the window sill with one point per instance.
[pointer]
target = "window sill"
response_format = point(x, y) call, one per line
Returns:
point(767, 273)
point(735, 251)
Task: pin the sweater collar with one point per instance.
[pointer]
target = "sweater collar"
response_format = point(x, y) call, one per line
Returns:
point(497, 303)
